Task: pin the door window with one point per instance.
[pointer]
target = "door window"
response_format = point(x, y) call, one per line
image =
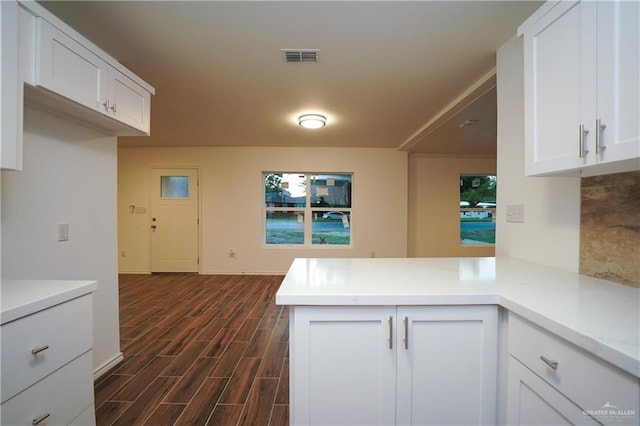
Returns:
point(174, 186)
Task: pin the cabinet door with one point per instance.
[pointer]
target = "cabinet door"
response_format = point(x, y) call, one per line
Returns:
point(129, 102)
point(447, 365)
point(67, 68)
point(560, 60)
point(618, 80)
point(10, 89)
point(531, 401)
point(343, 365)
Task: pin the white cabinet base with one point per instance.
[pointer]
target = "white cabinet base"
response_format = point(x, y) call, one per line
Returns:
point(385, 365)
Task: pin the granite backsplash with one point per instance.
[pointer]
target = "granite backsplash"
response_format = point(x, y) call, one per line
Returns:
point(610, 227)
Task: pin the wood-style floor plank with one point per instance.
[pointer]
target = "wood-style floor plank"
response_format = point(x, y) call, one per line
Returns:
point(257, 409)
point(203, 403)
point(198, 350)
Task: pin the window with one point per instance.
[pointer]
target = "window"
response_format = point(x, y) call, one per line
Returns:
point(307, 209)
point(477, 209)
point(174, 186)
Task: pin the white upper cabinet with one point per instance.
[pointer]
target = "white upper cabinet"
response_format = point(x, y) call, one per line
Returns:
point(618, 71)
point(10, 101)
point(46, 64)
point(67, 68)
point(582, 96)
point(129, 102)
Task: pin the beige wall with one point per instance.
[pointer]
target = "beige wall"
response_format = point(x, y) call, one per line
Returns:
point(551, 229)
point(69, 177)
point(231, 203)
point(434, 205)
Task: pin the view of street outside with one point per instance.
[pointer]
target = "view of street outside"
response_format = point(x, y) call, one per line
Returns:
point(477, 209)
point(291, 198)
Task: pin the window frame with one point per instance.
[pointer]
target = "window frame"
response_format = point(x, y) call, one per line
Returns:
point(307, 211)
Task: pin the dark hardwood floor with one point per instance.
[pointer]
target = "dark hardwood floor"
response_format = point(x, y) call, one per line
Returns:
point(198, 350)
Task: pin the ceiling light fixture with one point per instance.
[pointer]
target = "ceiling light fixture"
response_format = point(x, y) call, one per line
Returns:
point(312, 121)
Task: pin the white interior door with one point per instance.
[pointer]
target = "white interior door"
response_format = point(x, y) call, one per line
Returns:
point(174, 220)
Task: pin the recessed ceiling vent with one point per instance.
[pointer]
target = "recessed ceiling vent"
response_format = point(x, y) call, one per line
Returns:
point(301, 55)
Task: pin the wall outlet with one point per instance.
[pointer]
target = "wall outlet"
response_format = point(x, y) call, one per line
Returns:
point(63, 232)
point(515, 213)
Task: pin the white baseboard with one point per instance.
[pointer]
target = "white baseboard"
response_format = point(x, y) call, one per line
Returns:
point(100, 371)
point(243, 272)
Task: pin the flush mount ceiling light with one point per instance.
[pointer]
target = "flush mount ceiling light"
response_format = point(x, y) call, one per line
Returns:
point(312, 121)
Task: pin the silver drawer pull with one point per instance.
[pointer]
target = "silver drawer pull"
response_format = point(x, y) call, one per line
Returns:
point(551, 363)
point(36, 351)
point(40, 419)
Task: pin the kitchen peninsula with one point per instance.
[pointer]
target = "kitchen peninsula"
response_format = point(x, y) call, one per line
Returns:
point(459, 340)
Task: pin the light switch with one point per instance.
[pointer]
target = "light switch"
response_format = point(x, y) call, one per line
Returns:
point(63, 232)
point(515, 213)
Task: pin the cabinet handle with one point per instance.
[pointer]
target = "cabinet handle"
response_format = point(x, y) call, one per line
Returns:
point(113, 107)
point(36, 351)
point(551, 363)
point(390, 332)
point(105, 104)
point(599, 128)
point(582, 151)
point(406, 333)
point(40, 419)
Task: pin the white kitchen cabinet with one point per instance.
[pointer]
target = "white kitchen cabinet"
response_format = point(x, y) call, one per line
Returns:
point(551, 380)
point(47, 352)
point(65, 67)
point(446, 365)
point(532, 401)
point(582, 90)
point(127, 101)
point(10, 96)
point(393, 365)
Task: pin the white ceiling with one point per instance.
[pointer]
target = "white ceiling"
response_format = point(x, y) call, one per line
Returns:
point(387, 74)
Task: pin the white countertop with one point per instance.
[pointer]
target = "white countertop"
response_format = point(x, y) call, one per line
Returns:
point(19, 298)
point(599, 316)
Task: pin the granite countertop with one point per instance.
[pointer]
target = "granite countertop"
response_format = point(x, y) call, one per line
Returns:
point(19, 298)
point(597, 315)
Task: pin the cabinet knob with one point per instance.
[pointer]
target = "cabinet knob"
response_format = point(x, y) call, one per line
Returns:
point(105, 104)
point(551, 363)
point(40, 419)
point(36, 351)
point(113, 107)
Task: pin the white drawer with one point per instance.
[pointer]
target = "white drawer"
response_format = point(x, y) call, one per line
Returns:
point(532, 401)
point(86, 418)
point(590, 382)
point(63, 395)
point(66, 328)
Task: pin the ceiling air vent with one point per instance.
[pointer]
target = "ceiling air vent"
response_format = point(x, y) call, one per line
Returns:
point(301, 55)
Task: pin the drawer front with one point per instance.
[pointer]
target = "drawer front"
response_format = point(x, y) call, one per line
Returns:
point(590, 382)
point(63, 396)
point(532, 401)
point(86, 418)
point(66, 329)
